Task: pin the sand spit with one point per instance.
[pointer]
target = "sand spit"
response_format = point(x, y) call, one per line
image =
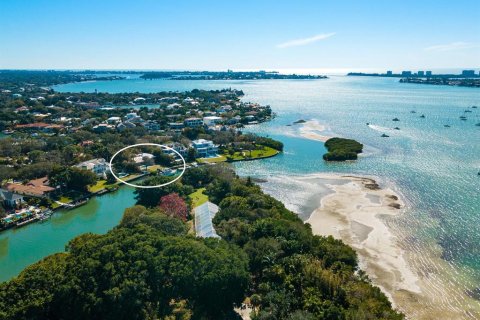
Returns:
point(355, 212)
point(312, 129)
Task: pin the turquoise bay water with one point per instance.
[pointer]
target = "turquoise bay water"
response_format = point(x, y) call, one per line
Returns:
point(24, 246)
point(434, 167)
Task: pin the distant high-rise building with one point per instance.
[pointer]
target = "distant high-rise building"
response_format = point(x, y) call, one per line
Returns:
point(429, 73)
point(389, 73)
point(420, 73)
point(406, 73)
point(468, 73)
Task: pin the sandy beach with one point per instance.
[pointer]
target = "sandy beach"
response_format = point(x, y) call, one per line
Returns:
point(312, 129)
point(355, 212)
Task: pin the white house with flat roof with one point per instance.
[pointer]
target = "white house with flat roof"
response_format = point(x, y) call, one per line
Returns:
point(204, 148)
point(98, 166)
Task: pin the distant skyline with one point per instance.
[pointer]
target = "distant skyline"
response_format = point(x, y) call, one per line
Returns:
point(240, 35)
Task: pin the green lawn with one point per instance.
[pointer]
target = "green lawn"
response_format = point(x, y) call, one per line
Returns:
point(212, 160)
point(101, 184)
point(130, 177)
point(198, 198)
point(154, 168)
point(263, 152)
point(65, 199)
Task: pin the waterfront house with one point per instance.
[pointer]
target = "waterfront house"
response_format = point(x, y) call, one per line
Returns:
point(98, 166)
point(204, 148)
point(34, 188)
point(142, 158)
point(180, 148)
point(193, 122)
point(10, 199)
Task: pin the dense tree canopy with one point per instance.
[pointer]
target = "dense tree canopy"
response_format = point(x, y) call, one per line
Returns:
point(340, 149)
point(142, 269)
point(72, 178)
point(150, 268)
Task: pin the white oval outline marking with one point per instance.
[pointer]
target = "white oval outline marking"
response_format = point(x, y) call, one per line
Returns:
point(147, 144)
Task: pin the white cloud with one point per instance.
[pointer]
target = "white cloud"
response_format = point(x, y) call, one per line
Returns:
point(453, 46)
point(305, 41)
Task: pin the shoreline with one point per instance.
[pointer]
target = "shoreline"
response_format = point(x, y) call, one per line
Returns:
point(356, 211)
point(310, 130)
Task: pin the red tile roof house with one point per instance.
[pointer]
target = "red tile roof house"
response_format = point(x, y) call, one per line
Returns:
point(34, 188)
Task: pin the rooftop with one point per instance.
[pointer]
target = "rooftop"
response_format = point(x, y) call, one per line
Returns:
point(204, 215)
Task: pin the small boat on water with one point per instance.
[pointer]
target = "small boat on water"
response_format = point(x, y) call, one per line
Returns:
point(395, 119)
point(384, 136)
point(413, 111)
point(446, 126)
point(463, 118)
point(396, 128)
point(478, 124)
point(474, 107)
point(422, 116)
point(468, 111)
point(8, 131)
point(76, 204)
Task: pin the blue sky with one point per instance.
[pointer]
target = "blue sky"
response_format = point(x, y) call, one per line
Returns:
point(261, 34)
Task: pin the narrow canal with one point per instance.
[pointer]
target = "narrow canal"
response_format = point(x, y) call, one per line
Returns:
point(21, 247)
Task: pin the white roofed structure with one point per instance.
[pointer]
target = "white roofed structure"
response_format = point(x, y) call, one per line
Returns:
point(204, 215)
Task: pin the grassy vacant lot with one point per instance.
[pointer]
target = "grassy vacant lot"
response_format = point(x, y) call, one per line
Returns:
point(198, 198)
point(102, 184)
point(154, 168)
